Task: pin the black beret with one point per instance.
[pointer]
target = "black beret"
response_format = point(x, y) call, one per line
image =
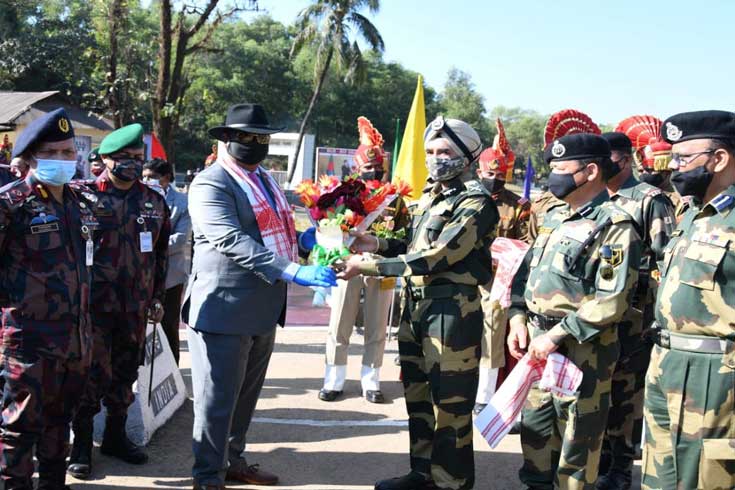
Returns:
point(53, 126)
point(577, 146)
point(699, 125)
point(618, 142)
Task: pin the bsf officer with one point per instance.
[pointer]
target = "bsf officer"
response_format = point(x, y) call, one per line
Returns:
point(45, 235)
point(378, 291)
point(690, 384)
point(440, 333)
point(128, 289)
point(494, 165)
point(574, 286)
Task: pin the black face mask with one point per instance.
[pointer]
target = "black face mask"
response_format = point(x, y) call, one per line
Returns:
point(372, 175)
point(493, 185)
point(655, 180)
point(127, 170)
point(561, 185)
point(615, 169)
point(249, 154)
point(693, 183)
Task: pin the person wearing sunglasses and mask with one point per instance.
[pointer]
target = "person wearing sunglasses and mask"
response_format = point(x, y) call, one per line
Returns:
point(653, 216)
point(96, 165)
point(690, 385)
point(130, 260)
point(378, 291)
point(444, 260)
point(570, 292)
point(246, 252)
point(46, 226)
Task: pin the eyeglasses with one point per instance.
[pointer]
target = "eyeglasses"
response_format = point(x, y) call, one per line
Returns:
point(240, 137)
point(678, 159)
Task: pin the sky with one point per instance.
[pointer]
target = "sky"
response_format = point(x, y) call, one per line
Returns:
point(610, 59)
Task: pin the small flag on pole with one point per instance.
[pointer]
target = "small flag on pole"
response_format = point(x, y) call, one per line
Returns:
point(396, 147)
point(528, 183)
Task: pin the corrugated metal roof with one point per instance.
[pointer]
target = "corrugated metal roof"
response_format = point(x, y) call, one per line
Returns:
point(15, 104)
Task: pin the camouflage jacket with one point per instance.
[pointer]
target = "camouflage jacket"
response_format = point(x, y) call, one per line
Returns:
point(540, 207)
point(514, 213)
point(582, 268)
point(45, 282)
point(448, 241)
point(125, 278)
point(697, 291)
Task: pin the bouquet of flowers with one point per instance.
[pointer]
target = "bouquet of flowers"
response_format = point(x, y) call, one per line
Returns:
point(338, 206)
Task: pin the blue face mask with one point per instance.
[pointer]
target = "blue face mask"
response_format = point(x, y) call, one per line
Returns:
point(55, 172)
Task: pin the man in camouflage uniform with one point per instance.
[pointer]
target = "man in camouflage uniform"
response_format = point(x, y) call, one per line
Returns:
point(574, 286)
point(540, 208)
point(653, 217)
point(690, 385)
point(129, 287)
point(495, 164)
point(440, 333)
point(45, 229)
point(378, 291)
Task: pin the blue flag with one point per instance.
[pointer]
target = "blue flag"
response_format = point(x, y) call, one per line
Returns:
point(527, 184)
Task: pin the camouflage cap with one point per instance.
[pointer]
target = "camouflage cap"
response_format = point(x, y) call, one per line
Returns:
point(130, 136)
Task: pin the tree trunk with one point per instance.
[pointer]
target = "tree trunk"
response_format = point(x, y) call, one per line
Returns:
point(305, 120)
point(114, 103)
point(158, 103)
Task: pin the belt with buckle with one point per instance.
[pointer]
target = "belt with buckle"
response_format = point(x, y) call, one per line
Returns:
point(440, 291)
point(543, 322)
point(702, 344)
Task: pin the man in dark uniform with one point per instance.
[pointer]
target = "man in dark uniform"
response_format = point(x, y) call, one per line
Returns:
point(440, 334)
point(653, 217)
point(46, 244)
point(496, 165)
point(129, 287)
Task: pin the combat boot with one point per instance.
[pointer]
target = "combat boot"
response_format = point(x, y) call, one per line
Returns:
point(115, 442)
point(615, 480)
point(51, 476)
point(80, 459)
point(411, 481)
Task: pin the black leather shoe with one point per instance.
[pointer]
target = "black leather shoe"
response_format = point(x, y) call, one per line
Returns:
point(374, 396)
point(80, 459)
point(115, 443)
point(328, 395)
point(479, 407)
point(412, 481)
point(615, 480)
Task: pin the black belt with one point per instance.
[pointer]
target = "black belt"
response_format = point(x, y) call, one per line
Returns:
point(542, 321)
point(440, 291)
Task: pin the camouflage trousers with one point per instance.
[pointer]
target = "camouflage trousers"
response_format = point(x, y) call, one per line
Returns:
point(39, 398)
point(624, 423)
point(117, 351)
point(439, 345)
point(561, 436)
point(690, 422)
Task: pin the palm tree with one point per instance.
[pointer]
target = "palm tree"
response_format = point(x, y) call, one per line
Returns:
point(328, 26)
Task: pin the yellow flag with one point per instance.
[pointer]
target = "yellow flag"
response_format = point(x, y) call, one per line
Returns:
point(411, 166)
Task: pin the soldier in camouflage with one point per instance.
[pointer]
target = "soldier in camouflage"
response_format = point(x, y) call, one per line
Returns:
point(574, 286)
point(540, 208)
point(495, 166)
point(45, 232)
point(129, 286)
point(446, 259)
point(653, 217)
point(690, 385)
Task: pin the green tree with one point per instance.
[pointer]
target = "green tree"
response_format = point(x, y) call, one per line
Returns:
point(525, 131)
point(460, 100)
point(327, 25)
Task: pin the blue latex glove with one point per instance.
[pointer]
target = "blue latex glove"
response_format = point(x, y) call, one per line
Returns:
point(315, 275)
point(307, 239)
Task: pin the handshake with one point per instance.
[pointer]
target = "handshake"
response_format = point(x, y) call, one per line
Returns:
point(346, 268)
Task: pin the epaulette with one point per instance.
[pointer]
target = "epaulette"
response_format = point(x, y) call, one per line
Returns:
point(618, 217)
point(16, 192)
point(722, 202)
point(475, 188)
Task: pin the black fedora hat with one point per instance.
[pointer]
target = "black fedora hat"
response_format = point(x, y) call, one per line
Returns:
point(246, 118)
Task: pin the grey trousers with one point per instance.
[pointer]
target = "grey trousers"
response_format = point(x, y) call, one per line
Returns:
point(227, 373)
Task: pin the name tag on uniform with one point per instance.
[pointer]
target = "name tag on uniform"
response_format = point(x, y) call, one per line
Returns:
point(44, 228)
point(146, 241)
point(89, 255)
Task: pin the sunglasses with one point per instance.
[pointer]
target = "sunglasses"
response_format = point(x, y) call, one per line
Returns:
point(246, 138)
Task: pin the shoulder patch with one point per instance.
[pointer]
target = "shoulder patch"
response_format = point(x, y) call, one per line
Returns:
point(619, 217)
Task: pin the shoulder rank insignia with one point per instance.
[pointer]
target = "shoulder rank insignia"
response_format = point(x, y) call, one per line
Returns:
point(619, 218)
point(722, 202)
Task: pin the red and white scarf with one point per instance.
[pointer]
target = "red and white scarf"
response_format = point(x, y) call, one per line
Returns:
point(276, 226)
point(556, 374)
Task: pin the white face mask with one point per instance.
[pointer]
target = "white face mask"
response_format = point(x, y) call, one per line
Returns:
point(55, 172)
point(154, 184)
